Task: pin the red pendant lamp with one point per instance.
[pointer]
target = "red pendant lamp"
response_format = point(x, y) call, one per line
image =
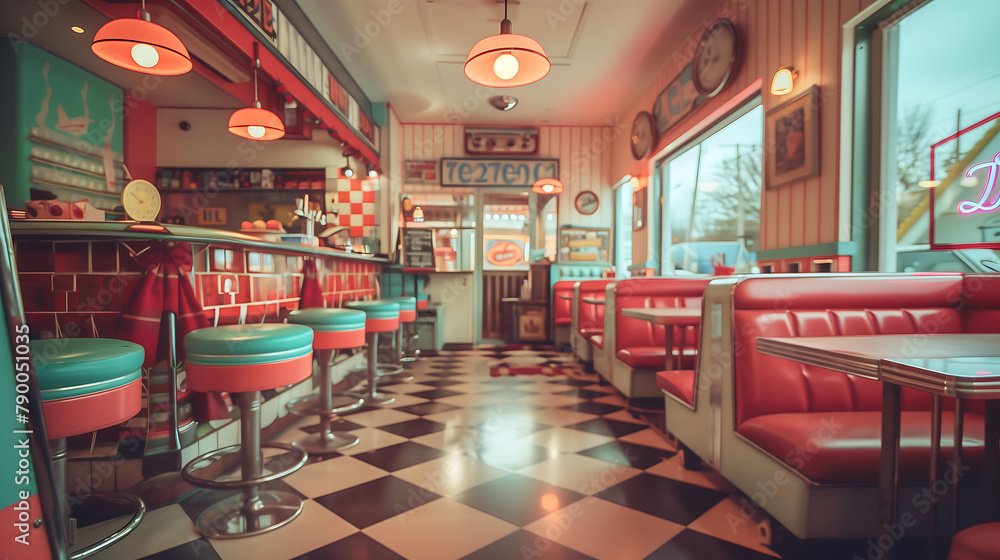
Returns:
point(141, 46)
point(254, 122)
point(507, 60)
point(547, 185)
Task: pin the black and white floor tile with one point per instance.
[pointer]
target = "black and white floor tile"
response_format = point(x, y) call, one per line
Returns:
point(467, 466)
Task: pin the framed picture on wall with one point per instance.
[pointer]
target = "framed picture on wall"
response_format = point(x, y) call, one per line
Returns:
point(639, 209)
point(793, 133)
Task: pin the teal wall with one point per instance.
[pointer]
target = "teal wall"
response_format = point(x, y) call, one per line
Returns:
point(79, 115)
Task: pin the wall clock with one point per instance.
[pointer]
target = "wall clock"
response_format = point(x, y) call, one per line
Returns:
point(714, 58)
point(141, 200)
point(587, 202)
point(643, 134)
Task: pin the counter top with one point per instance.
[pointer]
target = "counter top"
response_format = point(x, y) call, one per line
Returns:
point(75, 229)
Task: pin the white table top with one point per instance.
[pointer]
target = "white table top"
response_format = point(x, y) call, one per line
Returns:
point(665, 315)
point(954, 365)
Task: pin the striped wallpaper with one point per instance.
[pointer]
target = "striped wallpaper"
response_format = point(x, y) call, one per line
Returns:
point(805, 34)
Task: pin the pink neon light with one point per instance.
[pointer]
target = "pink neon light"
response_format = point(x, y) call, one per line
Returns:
point(970, 207)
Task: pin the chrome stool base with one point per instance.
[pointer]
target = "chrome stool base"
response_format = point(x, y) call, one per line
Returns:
point(139, 511)
point(296, 459)
point(237, 516)
point(321, 443)
point(376, 398)
point(311, 405)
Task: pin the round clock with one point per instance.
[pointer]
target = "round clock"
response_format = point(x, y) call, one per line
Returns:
point(587, 202)
point(643, 134)
point(714, 58)
point(141, 200)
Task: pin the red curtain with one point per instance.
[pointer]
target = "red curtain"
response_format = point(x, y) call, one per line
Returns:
point(167, 287)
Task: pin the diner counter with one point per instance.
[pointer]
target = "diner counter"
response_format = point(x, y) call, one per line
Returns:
point(80, 230)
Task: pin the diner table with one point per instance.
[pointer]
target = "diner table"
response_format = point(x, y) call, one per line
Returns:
point(963, 366)
point(669, 317)
point(568, 297)
point(593, 300)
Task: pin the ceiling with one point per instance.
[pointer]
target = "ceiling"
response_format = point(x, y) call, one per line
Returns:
point(188, 90)
point(603, 52)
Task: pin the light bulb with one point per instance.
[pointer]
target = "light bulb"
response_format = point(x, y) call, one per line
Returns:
point(255, 131)
point(145, 55)
point(548, 188)
point(506, 66)
point(453, 232)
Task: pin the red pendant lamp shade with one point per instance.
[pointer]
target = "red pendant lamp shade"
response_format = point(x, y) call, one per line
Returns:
point(507, 60)
point(141, 46)
point(256, 124)
point(547, 186)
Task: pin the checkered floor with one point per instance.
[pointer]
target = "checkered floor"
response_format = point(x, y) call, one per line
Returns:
point(463, 465)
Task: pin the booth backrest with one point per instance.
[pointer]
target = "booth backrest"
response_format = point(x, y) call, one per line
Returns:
point(831, 306)
point(562, 309)
point(981, 296)
point(590, 316)
point(652, 292)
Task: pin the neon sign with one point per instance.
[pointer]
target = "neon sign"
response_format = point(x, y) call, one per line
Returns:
point(970, 207)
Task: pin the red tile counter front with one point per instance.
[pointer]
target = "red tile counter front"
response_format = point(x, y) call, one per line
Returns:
point(78, 288)
point(76, 280)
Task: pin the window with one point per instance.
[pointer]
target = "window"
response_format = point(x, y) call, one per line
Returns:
point(623, 229)
point(941, 75)
point(711, 197)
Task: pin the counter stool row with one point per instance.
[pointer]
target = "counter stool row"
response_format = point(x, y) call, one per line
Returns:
point(91, 384)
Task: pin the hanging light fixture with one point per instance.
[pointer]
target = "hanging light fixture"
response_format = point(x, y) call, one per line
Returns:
point(254, 122)
point(506, 60)
point(547, 185)
point(141, 46)
point(372, 171)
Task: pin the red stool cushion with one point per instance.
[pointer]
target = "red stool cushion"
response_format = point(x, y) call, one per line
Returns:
point(979, 542)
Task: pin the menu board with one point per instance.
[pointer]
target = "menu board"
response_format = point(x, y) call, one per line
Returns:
point(418, 248)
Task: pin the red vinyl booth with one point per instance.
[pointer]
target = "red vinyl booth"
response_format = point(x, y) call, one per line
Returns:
point(634, 350)
point(562, 310)
point(771, 408)
point(588, 318)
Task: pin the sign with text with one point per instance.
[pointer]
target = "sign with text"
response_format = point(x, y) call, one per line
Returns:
point(475, 172)
point(212, 216)
point(676, 100)
point(261, 13)
point(964, 192)
point(418, 248)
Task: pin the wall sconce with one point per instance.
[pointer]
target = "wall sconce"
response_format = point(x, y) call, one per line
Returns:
point(347, 172)
point(372, 171)
point(781, 84)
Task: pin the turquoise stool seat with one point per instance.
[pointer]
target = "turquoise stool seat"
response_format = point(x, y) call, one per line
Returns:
point(88, 384)
point(407, 308)
point(333, 330)
point(244, 360)
point(382, 316)
point(423, 301)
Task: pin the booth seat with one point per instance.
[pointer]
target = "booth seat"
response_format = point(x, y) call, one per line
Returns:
point(758, 418)
point(562, 311)
point(563, 275)
point(588, 319)
point(634, 350)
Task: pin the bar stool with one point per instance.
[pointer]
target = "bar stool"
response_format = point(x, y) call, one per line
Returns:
point(88, 384)
point(244, 360)
point(333, 329)
point(381, 316)
point(407, 316)
point(979, 542)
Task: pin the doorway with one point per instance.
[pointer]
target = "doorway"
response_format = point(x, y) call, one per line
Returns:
point(505, 218)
